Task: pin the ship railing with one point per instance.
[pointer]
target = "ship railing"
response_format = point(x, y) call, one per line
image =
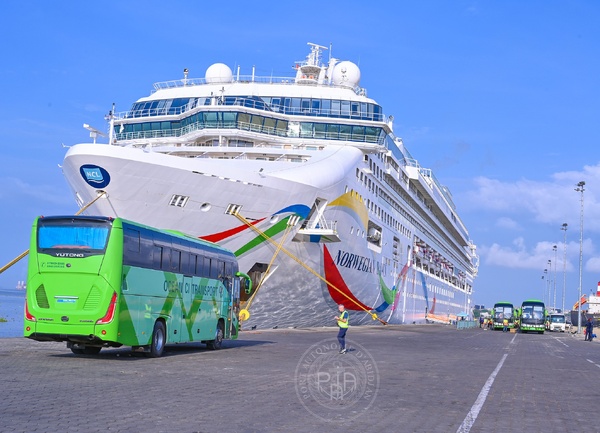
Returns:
point(243, 126)
point(188, 82)
point(429, 178)
point(342, 113)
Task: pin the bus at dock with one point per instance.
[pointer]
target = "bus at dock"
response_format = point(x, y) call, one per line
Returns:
point(503, 310)
point(532, 316)
point(97, 282)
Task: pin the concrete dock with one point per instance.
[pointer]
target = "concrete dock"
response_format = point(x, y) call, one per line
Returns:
point(412, 378)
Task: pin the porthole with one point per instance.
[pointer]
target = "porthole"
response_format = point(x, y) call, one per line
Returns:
point(205, 207)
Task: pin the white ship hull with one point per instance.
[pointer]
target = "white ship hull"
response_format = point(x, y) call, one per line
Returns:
point(374, 227)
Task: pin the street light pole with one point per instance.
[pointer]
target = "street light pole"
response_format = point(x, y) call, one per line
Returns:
point(545, 276)
point(580, 188)
point(554, 248)
point(549, 281)
point(564, 228)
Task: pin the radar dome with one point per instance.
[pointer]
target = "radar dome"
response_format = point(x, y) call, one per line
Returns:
point(219, 73)
point(346, 74)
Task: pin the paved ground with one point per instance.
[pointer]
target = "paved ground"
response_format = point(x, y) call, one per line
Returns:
point(427, 378)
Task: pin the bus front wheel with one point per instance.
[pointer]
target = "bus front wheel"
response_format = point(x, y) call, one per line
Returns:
point(158, 340)
point(217, 343)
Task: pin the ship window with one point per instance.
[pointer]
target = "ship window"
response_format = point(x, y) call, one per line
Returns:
point(371, 134)
point(376, 112)
point(345, 132)
point(295, 107)
point(178, 200)
point(269, 125)
point(243, 121)
point(335, 108)
point(305, 105)
point(229, 120)
point(325, 106)
point(210, 120)
point(274, 103)
point(257, 122)
point(333, 131)
point(282, 126)
point(358, 133)
point(345, 112)
point(355, 107)
point(316, 106)
point(306, 129)
point(320, 130)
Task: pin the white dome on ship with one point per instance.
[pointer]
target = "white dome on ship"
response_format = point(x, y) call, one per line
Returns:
point(219, 73)
point(346, 74)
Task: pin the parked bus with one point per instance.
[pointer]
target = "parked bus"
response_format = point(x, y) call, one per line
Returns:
point(97, 282)
point(532, 316)
point(503, 310)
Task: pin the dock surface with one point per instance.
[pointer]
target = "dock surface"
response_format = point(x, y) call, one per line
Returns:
point(412, 378)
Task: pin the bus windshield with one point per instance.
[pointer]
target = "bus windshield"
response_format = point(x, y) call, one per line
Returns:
point(71, 234)
point(503, 312)
point(533, 312)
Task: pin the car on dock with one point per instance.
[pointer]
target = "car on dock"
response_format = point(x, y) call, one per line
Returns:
point(557, 322)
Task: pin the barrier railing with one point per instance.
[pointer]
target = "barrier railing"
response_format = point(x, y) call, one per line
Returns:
point(466, 324)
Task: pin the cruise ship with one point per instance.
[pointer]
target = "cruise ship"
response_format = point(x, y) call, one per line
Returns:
point(303, 178)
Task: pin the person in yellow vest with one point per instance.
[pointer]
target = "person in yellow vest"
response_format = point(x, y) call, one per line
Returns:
point(505, 323)
point(343, 321)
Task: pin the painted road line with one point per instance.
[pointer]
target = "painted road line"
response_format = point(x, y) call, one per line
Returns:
point(561, 342)
point(469, 420)
point(589, 360)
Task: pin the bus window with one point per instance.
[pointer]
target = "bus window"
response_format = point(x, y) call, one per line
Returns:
point(214, 268)
point(206, 268)
point(175, 261)
point(131, 238)
point(78, 235)
point(185, 263)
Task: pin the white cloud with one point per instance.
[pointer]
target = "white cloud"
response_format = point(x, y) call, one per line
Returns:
point(519, 256)
point(507, 223)
point(551, 202)
point(593, 265)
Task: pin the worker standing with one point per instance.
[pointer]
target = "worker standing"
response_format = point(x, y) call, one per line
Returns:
point(343, 322)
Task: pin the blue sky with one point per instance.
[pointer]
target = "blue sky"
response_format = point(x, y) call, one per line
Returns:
point(500, 98)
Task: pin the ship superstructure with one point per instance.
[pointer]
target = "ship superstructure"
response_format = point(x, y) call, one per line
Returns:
point(311, 165)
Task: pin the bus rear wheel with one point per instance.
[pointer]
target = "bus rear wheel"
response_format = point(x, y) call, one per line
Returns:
point(159, 337)
point(217, 343)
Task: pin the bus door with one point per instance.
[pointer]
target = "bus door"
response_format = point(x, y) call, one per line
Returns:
point(187, 315)
point(234, 306)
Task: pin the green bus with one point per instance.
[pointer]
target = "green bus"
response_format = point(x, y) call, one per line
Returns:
point(97, 282)
point(532, 316)
point(503, 310)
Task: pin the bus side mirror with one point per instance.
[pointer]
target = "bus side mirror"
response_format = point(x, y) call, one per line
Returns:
point(248, 285)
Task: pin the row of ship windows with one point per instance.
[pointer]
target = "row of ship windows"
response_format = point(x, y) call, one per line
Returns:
point(377, 210)
point(250, 122)
point(292, 106)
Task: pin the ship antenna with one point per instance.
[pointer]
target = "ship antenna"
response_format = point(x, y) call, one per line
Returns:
point(111, 124)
